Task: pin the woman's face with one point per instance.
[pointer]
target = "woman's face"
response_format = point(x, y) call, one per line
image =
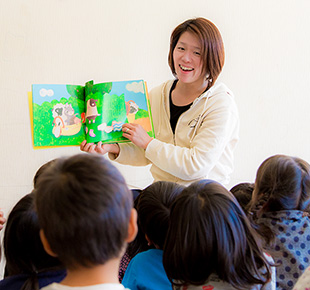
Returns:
point(187, 59)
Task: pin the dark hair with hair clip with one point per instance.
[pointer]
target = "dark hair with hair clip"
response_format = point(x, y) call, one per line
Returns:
point(208, 227)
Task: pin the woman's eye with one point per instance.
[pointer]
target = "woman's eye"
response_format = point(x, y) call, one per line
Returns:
point(180, 48)
point(197, 52)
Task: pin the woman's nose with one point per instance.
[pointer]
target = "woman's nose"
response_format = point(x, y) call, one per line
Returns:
point(186, 56)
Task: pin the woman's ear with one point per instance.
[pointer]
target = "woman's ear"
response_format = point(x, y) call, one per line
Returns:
point(132, 227)
point(46, 244)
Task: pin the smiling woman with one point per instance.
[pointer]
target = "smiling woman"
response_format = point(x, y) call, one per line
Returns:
point(189, 68)
point(195, 118)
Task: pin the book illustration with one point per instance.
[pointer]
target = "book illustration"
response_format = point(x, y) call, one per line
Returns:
point(65, 121)
point(57, 114)
point(91, 110)
point(131, 109)
point(68, 114)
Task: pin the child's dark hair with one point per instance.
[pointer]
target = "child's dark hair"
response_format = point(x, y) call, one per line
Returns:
point(41, 170)
point(23, 249)
point(153, 207)
point(84, 208)
point(243, 193)
point(284, 183)
point(210, 234)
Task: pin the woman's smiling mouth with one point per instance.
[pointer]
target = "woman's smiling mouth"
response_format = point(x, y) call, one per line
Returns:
point(185, 68)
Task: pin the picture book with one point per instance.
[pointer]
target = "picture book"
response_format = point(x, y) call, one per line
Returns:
point(64, 115)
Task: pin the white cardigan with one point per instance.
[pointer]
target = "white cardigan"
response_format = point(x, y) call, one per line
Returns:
point(204, 140)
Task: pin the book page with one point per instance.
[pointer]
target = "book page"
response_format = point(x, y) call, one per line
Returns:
point(58, 115)
point(110, 105)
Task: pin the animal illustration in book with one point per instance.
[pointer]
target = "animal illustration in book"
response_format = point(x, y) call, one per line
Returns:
point(131, 108)
point(71, 118)
point(65, 121)
point(68, 114)
point(91, 110)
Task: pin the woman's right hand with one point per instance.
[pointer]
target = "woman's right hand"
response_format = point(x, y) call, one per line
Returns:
point(100, 148)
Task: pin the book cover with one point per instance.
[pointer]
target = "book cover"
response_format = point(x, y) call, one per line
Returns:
point(65, 115)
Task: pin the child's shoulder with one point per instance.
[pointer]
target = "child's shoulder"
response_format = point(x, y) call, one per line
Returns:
point(149, 256)
point(304, 281)
point(286, 218)
point(107, 286)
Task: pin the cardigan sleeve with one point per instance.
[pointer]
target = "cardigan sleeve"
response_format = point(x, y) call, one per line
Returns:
point(207, 146)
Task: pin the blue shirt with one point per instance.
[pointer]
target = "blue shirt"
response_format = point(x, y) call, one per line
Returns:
point(146, 271)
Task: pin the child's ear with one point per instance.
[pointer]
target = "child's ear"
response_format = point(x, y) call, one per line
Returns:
point(132, 227)
point(46, 244)
point(149, 242)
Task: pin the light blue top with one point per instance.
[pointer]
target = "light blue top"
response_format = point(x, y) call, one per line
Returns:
point(146, 271)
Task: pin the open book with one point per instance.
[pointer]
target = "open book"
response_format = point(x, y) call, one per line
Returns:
point(65, 115)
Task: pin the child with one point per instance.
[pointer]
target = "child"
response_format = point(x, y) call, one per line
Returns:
point(153, 209)
point(86, 217)
point(211, 245)
point(279, 205)
point(41, 170)
point(138, 245)
point(28, 266)
point(243, 193)
point(303, 283)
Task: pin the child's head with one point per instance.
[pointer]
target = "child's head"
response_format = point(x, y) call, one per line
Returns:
point(23, 249)
point(282, 183)
point(85, 211)
point(210, 233)
point(153, 207)
point(243, 193)
point(41, 170)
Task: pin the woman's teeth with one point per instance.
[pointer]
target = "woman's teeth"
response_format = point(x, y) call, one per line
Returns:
point(185, 68)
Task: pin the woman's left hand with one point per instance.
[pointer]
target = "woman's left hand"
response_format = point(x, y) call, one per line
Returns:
point(136, 134)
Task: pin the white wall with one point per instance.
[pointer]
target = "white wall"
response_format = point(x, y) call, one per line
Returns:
point(72, 41)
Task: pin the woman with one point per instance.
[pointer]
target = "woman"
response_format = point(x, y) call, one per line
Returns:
point(195, 119)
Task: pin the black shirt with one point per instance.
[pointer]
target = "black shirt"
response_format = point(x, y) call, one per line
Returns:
point(175, 111)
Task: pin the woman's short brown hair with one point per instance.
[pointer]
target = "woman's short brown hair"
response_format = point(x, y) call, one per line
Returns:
point(212, 46)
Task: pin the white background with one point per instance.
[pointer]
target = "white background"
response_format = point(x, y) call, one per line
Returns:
point(267, 67)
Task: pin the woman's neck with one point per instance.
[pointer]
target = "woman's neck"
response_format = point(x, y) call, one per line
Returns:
point(185, 94)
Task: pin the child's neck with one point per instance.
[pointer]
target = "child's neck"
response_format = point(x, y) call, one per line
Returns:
point(100, 274)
